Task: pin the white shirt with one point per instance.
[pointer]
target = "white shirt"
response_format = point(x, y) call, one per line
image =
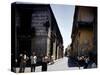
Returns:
point(33, 59)
point(93, 65)
point(24, 56)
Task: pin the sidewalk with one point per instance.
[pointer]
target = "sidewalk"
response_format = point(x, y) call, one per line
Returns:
point(59, 65)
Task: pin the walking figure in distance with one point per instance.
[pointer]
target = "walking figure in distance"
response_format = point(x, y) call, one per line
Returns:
point(33, 62)
point(23, 60)
point(44, 63)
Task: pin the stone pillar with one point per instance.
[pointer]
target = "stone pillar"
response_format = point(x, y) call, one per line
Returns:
point(57, 51)
point(48, 40)
point(54, 49)
point(49, 34)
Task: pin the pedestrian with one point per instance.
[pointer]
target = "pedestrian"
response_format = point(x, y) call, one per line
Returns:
point(33, 62)
point(52, 60)
point(23, 60)
point(92, 62)
point(44, 63)
point(81, 61)
point(86, 59)
point(93, 65)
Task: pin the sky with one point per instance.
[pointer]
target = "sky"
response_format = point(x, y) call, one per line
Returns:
point(64, 17)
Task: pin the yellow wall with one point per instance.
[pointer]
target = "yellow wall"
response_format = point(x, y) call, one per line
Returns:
point(86, 37)
point(86, 34)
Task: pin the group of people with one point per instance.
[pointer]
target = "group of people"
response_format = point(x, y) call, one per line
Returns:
point(33, 58)
point(87, 62)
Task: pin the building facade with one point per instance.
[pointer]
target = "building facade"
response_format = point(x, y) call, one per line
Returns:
point(84, 32)
point(34, 29)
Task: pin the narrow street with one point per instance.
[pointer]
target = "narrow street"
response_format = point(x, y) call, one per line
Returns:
point(59, 65)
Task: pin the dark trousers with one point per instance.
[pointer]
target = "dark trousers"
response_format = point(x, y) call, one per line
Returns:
point(22, 67)
point(85, 65)
point(44, 66)
point(33, 67)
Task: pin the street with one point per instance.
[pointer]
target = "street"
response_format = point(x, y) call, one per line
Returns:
point(59, 65)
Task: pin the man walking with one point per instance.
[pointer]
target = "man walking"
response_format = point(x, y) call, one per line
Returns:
point(44, 63)
point(23, 60)
point(33, 62)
